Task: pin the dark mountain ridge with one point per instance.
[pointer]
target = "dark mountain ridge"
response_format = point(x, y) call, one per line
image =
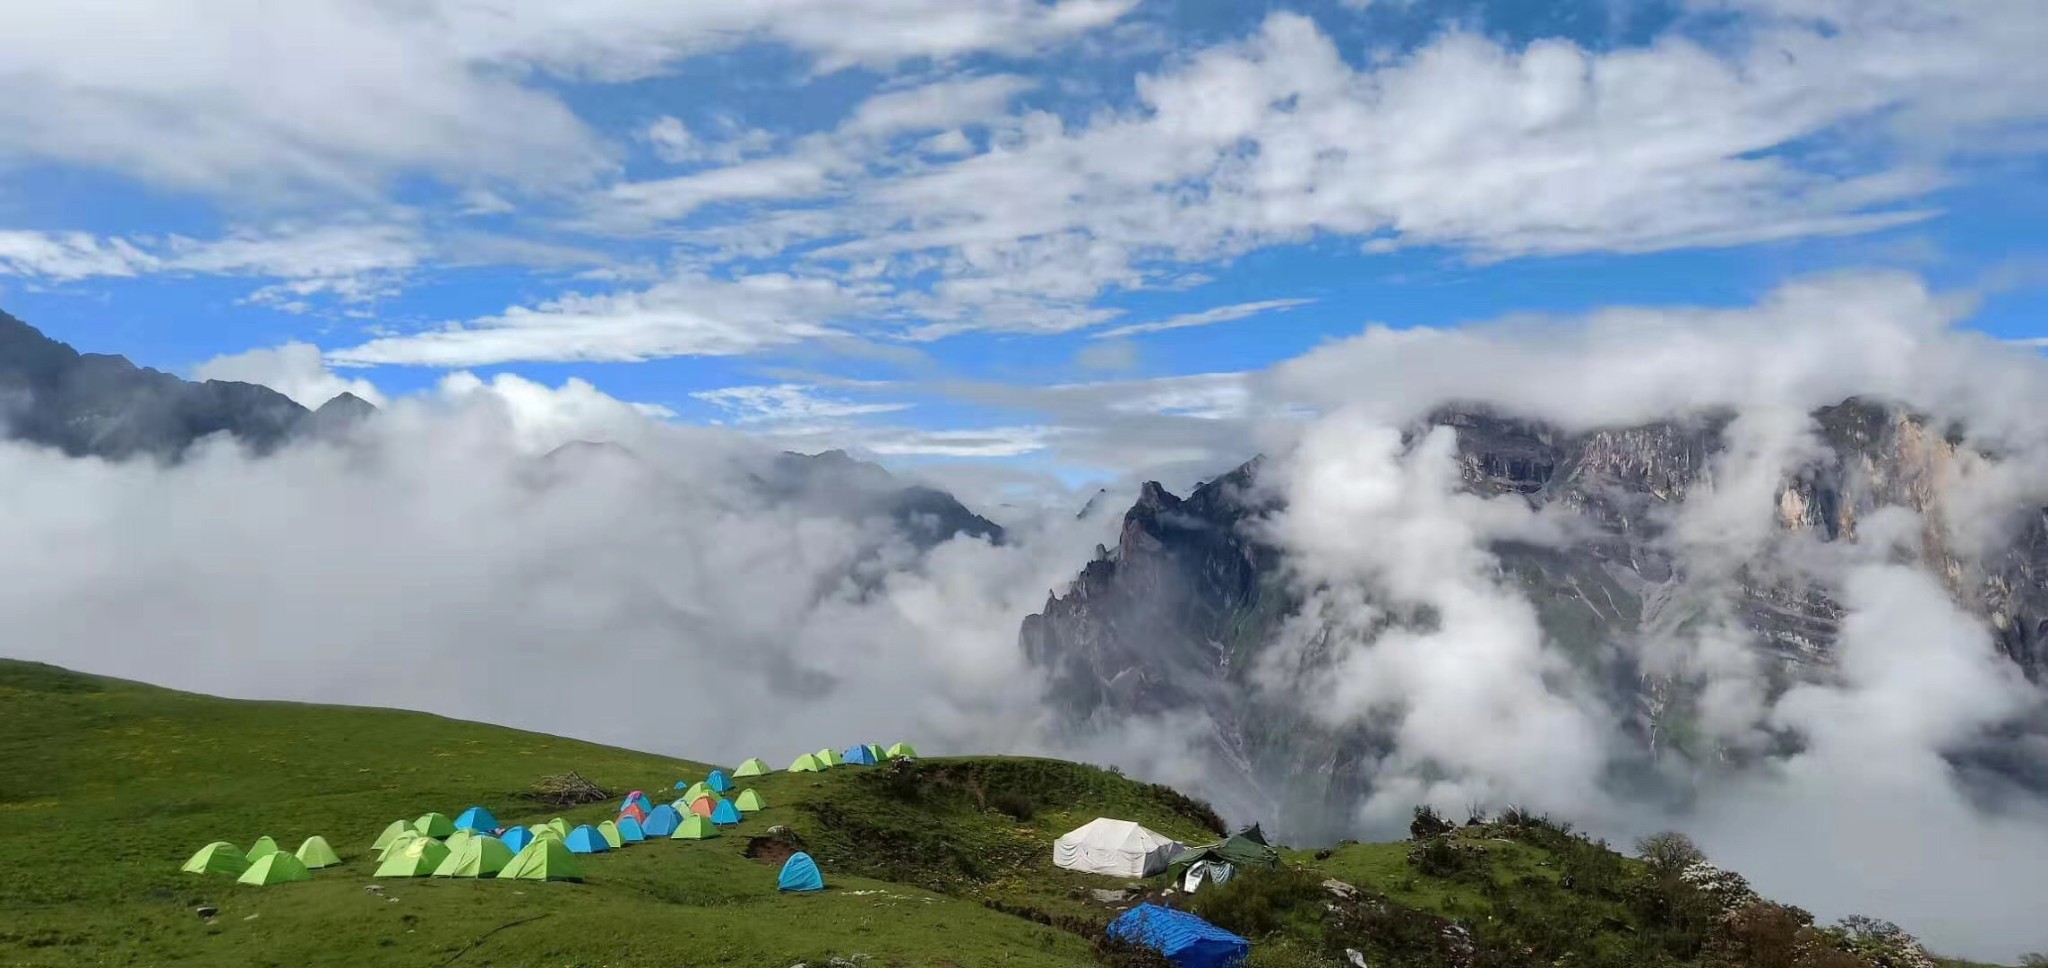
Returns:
point(92, 404)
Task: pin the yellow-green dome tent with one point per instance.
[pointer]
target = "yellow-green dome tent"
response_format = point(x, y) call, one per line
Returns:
point(807, 763)
point(219, 857)
point(276, 867)
point(416, 858)
point(316, 853)
point(263, 847)
point(609, 830)
point(753, 767)
point(749, 801)
point(398, 828)
point(830, 757)
point(697, 791)
point(546, 859)
point(398, 843)
point(434, 825)
point(695, 827)
point(901, 749)
point(480, 856)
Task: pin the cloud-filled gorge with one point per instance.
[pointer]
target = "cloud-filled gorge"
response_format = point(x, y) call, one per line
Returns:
point(448, 557)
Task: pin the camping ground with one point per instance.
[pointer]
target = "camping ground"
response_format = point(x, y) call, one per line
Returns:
point(110, 785)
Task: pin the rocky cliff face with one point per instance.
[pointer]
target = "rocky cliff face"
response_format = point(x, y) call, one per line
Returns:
point(89, 404)
point(1173, 617)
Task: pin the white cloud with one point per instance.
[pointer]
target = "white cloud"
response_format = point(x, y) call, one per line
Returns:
point(296, 370)
point(1495, 151)
point(1206, 317)
point(788, 403)
point(943, 104)
point(688, 315)
point(68, 256)
point(337, 95)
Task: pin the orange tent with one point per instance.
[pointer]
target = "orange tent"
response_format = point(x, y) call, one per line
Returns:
point(702, 807)
point(634, 811)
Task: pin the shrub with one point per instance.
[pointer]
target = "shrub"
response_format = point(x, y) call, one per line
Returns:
point(1428, 823)
point(1257, 903)
point(1669, 852)
point(1015, 803)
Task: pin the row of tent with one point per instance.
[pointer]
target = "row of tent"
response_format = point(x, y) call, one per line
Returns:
point(263, 862)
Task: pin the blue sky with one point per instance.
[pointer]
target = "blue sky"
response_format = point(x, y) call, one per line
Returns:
point(913, 226)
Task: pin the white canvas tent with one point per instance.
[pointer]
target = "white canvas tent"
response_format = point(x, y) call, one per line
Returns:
point(1117, 848)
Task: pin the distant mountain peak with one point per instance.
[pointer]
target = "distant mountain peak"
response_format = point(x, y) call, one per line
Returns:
point(101, 405)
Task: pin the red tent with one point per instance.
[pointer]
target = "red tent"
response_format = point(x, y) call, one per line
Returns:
point(634, 811)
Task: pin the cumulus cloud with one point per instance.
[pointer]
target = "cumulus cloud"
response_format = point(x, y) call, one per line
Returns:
point(450, 532)
point(297, 370)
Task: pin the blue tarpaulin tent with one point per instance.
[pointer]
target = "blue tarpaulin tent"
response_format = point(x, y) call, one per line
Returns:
point(724, 813)
point(800, 873)
point(860, 756)
point(517, 838)
point(682, 784)
point(478, 819)
point(718, 781)
point(586, 840)
point(1185, 940)
point(630, 832)
point(661, 822)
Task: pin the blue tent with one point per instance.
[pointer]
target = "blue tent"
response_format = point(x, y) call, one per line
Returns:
point(860, 756)
point(800, 873)
point(718, 782)
point(662, 822)
point(1185, 940)
point(517, 838)
point(639, 798)
point(586, 840)
point(682, 784)
point(724, 813)
point(630, 832)
point(478, 819)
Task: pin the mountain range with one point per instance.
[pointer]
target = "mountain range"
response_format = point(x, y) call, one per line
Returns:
point(1175, 617)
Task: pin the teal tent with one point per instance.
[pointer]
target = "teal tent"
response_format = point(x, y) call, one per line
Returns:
point(800, 873)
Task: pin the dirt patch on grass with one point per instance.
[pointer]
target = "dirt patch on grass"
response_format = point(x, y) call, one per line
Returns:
point(772, 851)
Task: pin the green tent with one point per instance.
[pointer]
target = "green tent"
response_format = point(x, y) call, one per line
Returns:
point(749, 801)
point(609, 830)
point(877, 752)
point(397, 828)
point(560, 826)
point(830, 757)
point(807, 763)
point(263, 847)
point(219, 857)
point(398, 843)
point(545, 859)
point(695, 827)
point(276, 867)
point(434, 825)
point(1244, 850)
point(315, 853)
point(695, 792)
point(417, 858)
point(458, 838)
point(901, 749)
point(542, 831)
point(479, 856)
point(753, 767)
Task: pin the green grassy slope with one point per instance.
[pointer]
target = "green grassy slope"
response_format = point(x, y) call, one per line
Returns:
point(107, 786)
